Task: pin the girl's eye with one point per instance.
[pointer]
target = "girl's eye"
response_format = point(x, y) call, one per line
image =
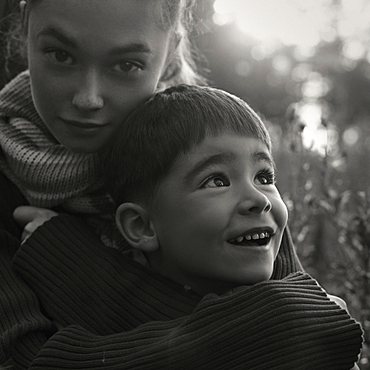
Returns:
point(216, 182)
point(126, 67)
point(266, 177)
point(60, 56)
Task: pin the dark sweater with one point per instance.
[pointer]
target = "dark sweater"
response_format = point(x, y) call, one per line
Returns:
point(119, 315)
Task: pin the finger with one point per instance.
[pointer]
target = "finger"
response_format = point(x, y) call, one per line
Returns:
point(26, 214)
point(29, 229)
point(25, 235)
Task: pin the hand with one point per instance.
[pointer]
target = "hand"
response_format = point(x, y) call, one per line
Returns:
point(339, 301)
point(31, 218)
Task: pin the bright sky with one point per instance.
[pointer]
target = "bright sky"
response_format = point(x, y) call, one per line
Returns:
point(304, 23)
point(300, 22)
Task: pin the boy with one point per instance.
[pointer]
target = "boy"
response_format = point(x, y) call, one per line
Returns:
point(204, 215)
point(201, 205)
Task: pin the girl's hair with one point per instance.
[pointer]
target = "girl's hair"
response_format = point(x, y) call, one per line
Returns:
point(178, 15)
point(144, 148)
point(175, 15)
point(13, 59)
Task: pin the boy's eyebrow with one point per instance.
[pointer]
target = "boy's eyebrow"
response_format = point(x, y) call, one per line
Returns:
point(60, 35)
point(222, 158)
point(263, 157)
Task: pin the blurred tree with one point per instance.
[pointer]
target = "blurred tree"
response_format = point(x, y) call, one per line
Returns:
point(316, 104)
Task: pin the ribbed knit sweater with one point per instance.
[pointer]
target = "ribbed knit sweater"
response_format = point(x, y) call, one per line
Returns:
point(118, 314)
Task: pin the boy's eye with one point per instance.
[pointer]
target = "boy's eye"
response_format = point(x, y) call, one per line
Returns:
point(126, 67)
point(266, 177)
point(216, 182)
point(60, 56)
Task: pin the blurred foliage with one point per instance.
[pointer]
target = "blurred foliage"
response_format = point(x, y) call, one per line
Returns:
point(325, 183)
point(11, 60)
point(330, 224)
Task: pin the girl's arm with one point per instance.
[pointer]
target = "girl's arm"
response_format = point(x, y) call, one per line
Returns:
point(23, 327)
point(10, 199)
point(22, 324)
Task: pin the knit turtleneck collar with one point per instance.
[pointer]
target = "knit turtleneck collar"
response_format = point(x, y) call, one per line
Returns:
point(48, 174)
point(16, 101)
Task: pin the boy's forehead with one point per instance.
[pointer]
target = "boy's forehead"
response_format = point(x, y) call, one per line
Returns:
point(223, 149)
point(228, 142)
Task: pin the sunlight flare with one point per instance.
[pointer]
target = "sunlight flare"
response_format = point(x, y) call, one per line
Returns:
point(295, 22)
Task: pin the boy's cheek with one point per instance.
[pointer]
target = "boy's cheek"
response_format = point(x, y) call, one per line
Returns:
point(280, 212)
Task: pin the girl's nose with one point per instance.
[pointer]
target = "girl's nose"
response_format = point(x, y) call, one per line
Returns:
point(254, 201)
point(87, 96)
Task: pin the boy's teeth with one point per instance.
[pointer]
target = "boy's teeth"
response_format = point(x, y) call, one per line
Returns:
point(256, 236)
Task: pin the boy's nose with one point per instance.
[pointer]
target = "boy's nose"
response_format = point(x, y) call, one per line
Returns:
point(87, 95)
point(254, 201)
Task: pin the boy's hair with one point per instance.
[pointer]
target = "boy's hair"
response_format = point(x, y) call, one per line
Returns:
point(144, 148)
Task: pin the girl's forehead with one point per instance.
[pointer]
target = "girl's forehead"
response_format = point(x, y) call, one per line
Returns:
point(101, 12)
point(105, 23)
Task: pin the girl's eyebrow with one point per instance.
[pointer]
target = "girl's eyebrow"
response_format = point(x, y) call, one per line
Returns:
point(58, 34)
point(133, 47)
point(71, 41)
point(202, 165)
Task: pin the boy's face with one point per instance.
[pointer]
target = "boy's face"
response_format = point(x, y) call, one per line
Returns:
point(218, 215)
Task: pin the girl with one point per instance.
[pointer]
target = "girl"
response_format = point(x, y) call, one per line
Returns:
point(89, 64)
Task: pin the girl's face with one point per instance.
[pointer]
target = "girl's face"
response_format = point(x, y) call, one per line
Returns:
point(91, 63)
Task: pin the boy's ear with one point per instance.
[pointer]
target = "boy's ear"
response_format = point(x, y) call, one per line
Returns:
point(136, 227)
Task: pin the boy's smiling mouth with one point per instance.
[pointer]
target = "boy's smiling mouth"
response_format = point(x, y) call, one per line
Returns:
point(255, 237)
